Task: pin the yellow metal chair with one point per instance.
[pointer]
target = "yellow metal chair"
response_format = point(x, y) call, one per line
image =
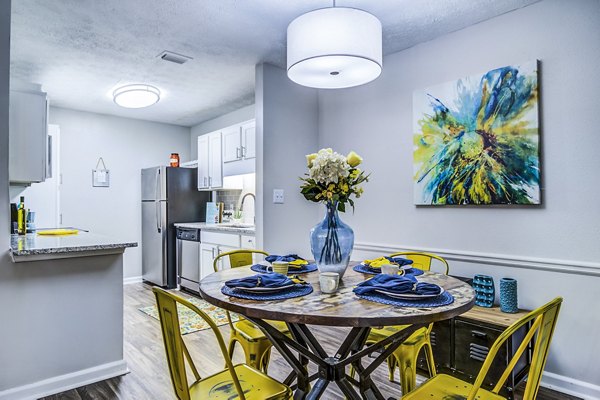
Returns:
point(234, 382)
point(405, 356)
point(257, 347)
point(543, 322)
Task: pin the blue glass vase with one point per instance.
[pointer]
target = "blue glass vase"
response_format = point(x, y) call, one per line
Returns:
point(331, 242)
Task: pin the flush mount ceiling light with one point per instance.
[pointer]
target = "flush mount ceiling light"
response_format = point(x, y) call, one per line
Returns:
point(334, 48)
point(136, 96)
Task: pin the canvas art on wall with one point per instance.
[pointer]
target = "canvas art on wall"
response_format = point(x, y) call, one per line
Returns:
point(476, 140)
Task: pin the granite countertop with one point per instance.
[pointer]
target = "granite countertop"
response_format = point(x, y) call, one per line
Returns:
point(240, 229)
point(33, 246)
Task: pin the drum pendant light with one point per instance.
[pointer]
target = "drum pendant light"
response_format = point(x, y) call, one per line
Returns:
point(333, 48)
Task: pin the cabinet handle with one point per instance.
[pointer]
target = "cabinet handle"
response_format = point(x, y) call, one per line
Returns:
point(477, 334)
point(204, 181)
point(210, 181)
point(237, 153)
point(243, 151)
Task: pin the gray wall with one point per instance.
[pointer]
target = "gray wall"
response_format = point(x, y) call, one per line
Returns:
point(376, 121)
point(232, 118)
point(126, 146)
point(286, 129)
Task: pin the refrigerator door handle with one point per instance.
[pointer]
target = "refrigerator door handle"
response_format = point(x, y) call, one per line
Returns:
point(157, 188)
point(158, 217)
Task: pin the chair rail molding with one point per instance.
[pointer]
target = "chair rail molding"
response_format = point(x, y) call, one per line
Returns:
point(515, 261)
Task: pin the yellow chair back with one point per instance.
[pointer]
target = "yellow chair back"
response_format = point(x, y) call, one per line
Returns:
point(177, 352)
point(238, 258)
point(422, 260)
point(543, 320)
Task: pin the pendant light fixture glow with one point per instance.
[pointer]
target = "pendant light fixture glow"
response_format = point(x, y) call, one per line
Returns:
point(136, 96)
point(334, 48)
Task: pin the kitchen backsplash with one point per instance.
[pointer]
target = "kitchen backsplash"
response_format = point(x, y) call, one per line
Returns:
point(229, 197)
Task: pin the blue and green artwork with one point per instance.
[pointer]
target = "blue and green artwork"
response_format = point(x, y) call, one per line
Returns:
point(476, 140)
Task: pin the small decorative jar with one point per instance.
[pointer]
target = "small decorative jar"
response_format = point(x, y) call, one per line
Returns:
point(508, 295)
point(484, 290)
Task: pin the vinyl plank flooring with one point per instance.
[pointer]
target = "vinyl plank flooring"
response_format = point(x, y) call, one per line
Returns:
point(149, 376)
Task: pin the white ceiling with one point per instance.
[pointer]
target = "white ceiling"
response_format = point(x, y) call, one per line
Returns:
point(79, 50)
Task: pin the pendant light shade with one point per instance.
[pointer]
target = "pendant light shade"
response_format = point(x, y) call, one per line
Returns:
point(334, 48)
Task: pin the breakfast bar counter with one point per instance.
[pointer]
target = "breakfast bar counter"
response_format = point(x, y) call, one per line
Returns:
point(34, 247)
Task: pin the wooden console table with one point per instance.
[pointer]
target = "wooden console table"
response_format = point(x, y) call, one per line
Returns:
point(461, 344)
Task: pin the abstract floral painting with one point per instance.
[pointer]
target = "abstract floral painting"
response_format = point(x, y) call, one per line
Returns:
point(476, 140)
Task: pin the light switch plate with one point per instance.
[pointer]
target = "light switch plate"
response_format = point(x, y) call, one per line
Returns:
point(277, 196)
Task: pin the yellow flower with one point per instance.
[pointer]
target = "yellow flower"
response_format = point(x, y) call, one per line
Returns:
point(329, 195)
point(354, 174)
point(331, 187)
point(344, 187)
point(310, 158)
point(359, 190)
point(353, 159)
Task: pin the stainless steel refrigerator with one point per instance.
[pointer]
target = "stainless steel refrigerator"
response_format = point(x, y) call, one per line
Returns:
point(169, 195)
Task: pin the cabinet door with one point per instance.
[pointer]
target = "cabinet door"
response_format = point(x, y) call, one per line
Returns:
point(249, 140)
point(248, 242)
point(208, 252)
point(215, 177)
point(232, 147)
point(203, 162)
point(28, 145)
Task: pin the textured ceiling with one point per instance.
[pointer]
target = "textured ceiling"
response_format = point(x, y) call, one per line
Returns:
point(79, 50)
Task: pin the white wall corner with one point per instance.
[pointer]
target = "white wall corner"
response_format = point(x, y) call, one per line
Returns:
point(66, 382)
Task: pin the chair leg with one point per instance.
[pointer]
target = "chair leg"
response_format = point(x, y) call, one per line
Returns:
point(430, 360)
point(264, 361)
point(391, 363)
point(255, 352)
point(408, 376)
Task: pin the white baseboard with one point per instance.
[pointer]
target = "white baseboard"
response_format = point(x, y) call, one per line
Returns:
point(574, 387)
point(66, 382)
point(132, 279)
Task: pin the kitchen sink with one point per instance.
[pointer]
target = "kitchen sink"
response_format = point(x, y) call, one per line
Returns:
point(237, 225)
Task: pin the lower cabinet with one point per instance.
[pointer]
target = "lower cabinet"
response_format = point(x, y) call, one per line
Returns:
point(461, 345)
point(216, 243)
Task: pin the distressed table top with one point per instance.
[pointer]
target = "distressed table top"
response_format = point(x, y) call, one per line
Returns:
point(342, 308)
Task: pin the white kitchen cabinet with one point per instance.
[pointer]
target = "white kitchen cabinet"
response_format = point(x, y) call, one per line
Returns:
point(28, 141)
point(249, 140)
point(210, 161)
point(239, 149)
point(215, 243)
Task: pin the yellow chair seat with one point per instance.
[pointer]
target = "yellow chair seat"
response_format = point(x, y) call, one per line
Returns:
point(444, 386)
point(253, 333)
point(255, 384)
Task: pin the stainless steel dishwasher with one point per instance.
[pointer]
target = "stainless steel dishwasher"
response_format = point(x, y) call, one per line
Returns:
point(188, 258)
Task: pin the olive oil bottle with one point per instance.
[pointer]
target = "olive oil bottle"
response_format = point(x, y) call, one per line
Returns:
point(22, 217)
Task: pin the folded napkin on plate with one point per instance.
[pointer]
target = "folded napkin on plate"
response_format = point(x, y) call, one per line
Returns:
point(271, 280)
point(378, 262)
point(396, 284)
point(293, 259)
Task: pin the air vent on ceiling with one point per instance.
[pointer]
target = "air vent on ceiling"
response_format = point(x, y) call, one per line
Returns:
point(174, 57)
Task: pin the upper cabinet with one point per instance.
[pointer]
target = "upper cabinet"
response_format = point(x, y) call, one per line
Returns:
point(239, 148)
point(210, 161)
point(28, 147)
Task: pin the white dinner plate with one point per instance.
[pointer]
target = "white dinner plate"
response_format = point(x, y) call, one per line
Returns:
point(265, 289)
point(410, 296)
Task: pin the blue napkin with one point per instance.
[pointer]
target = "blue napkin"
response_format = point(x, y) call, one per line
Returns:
point(401, 261)
point(271, 280)
point(424, 288)
point(286, 258)
point(390, 283)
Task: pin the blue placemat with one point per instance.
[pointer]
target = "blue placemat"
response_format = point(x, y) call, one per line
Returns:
point(291, 271)
point(364, 269)
point(296, 291)
point(441, 300)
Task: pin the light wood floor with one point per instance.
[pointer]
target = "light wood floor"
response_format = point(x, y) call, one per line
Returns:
point(149, 377)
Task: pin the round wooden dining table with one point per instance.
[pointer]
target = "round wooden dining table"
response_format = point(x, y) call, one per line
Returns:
point(340, 309)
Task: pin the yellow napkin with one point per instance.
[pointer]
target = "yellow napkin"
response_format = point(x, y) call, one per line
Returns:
point(58, 232)
point(297, 263)
point(377, 262)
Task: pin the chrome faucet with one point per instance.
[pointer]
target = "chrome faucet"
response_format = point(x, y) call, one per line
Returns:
point(242, 203)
